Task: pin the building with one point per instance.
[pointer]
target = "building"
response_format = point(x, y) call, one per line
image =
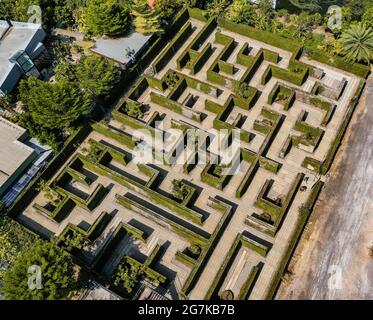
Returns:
point(15, 156)
point(96, 291)
point(124, 50)
point(20, 44)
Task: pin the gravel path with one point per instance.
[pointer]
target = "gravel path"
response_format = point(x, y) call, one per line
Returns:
point(332, 261)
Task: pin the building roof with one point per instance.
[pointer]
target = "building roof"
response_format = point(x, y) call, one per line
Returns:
point(96, 291)
point(13, 153)
point(14, 38)
point(117, 49)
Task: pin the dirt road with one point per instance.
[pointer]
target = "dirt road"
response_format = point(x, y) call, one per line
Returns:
point(332, 261)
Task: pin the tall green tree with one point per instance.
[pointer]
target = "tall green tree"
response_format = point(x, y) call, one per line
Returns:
point(97, 76)
point(357, 8)
point(53, 106)
point(357, 43)
point(57, 274)
point(64, 11)
point(51, 110)
point(368, 17)
point(241, 11)
point(106, 17)
point(215, 8)
point(167, 9)
point(147, 20)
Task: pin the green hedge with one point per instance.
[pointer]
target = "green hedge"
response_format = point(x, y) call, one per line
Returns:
point(197, 14)
point(338, 62)
point(226, 67)
point(206, 254)
point(188, 234)
point(261, 127)
point(248, 178)
point(297, 78)
point(31, 191)
point(316, 164)
point(342, 129)
point(263, 36)
point(269, 165)
point(60, 212)
point(171, 49)
point(202, 59)
point(270, 114)
point(135, 232)
point(183, 258)
point(294, 238)
point(165, 102)
point(127, 140)
point(248, 285)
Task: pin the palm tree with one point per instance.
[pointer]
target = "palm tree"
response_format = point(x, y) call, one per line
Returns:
point(357, 43)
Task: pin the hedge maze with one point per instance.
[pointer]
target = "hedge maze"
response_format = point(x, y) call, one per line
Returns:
point(181, 222)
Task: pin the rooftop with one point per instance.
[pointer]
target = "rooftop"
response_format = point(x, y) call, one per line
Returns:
point(14, 38)
point(13, 153)
point(96, 291)
point(117, 49)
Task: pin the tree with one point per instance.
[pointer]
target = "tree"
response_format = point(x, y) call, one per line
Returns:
point(368, 18)
point(106, 17)
point(215, 8)
point(97, 75)
point(57, 274)
point(14, 239)
point(6, 103)
point(6, 9)
point(65, 70)
point(64, 11)
point(357, 43)
point(241, 11)
point(53, 106)
point(147, 20)
point(50, 110)
point(133, 109)
point(307, 5)
point(167, 9)
point(357, 8)
point(127, 276)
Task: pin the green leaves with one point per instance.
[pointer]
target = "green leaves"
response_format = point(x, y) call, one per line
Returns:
point(106, 17)
point(357, 43)
point(57, 274)
point(147, 20)
point(53, 106)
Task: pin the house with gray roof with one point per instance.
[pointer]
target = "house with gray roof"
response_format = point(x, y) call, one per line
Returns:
point(20, 44)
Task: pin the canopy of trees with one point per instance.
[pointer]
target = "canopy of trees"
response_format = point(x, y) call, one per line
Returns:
point(147, 20)
point(57, 274)
point(106, 17)
point(51, 109)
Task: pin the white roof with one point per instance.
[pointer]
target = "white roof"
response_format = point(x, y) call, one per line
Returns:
point(13, 153)
point(116, 49)
point(12, 39)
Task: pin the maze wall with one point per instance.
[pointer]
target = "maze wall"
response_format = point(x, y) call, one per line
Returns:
point(193, 230)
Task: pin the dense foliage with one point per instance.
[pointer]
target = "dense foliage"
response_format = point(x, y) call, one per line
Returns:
point(51, 109)
point(14, 239)
point(147, 20)
point(57, 274)
point(106, 17)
